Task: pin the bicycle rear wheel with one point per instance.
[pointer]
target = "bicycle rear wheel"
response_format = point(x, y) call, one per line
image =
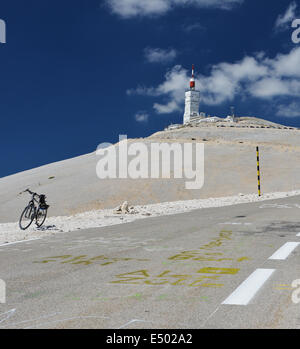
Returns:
point(41, 216)
point(27, 217)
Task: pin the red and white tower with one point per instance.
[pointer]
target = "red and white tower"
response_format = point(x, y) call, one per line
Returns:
point(192, 81)
point(192, 100)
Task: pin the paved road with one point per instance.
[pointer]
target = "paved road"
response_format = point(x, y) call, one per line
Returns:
point(209, 268)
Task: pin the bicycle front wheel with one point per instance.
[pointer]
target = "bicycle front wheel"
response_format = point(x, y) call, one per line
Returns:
point(27, 217)
point(41, 216)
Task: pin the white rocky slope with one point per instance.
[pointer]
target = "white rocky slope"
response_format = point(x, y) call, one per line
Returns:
point(230, 168)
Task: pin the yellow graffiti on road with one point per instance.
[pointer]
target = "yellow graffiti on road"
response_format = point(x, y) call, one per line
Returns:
point(216, 242)
point(206, 257)
point(210, 270)
point(167, 277)
point(209, 274)
point(83, 259)
point(283, 287)
point(199, 255)
point(203, 256)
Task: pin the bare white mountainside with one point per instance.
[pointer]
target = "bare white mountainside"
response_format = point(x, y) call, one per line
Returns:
point(72, 186)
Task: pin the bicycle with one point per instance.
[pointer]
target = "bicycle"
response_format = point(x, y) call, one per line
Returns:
point(36, 209)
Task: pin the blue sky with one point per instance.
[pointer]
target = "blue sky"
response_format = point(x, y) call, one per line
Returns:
point(74, 74)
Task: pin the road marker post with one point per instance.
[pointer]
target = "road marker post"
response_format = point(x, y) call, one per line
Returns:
point(258, 171)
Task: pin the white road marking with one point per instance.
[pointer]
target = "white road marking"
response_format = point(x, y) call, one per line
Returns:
point(21, 322)
point(18, 242)
point(235, 223)
point(7, 314)
point(275, 206)
point(68, 319)
point(247, 290)
point(209, 317)
point(298, 234)
point(285, 250)
point(132, 321)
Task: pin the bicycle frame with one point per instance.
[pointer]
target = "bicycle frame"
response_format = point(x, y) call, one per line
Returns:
point(34, 203)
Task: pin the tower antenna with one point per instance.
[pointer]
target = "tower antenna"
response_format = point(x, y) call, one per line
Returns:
point(192, 81)
point(232, 111)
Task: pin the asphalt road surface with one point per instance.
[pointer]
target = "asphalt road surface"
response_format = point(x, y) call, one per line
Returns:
point(230, 267)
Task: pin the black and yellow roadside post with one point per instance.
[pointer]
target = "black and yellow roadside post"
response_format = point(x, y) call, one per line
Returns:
point(258, 171)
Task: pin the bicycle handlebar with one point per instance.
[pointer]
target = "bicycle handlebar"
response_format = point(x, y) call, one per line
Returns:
point(32, 193)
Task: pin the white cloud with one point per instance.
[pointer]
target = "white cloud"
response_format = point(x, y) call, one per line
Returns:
point(158, 55)
point(142, 91)
point(189, 27)
point(168, 108)
point(254, 76)
point(141, 116)
point(133, 8)
point(269, 87)
point(284, 20)
point(291, 110)
point(286, 65)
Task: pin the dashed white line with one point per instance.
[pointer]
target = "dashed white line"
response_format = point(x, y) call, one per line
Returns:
point(298, 234)
point(247, 290)
point(284, 251)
